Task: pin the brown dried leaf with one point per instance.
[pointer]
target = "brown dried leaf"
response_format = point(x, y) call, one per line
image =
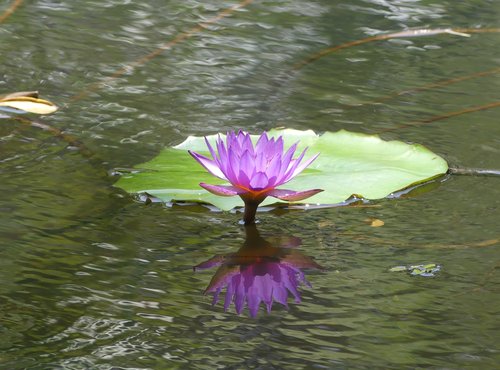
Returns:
point(374, 222)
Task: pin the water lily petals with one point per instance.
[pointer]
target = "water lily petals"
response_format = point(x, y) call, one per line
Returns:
point(259, 181)
point(286, 159)
point(232, 166)
point(259, 162)
point(209, 165)
point(294, 163)
point(269, 148)
point(247, 145)
point(272, 181)
point(278, 149)
point(221, 149)
point(261, 143)
point(243, 180)
point(246, 164)
point(212, 151)
point(303, 166)
point(233, 142)
point(257, 169)
point(222, 190)
point(240, 137)
point(293, 196)
point(274, 169)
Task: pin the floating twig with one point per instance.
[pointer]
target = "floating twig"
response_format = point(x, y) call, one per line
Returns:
point(431, 86)
point(444, 116)
point(387, 36)
point(8, 12)
point(69, 139)
point(473, 171)
point(285, 76)
point(405, 243)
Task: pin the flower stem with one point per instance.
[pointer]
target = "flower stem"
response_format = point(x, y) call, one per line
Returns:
point(250, 211)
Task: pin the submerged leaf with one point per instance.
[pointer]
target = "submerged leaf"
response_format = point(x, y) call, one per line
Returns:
point(428, 270)
point(398, 268)
point(374, 222)
point(349, 164)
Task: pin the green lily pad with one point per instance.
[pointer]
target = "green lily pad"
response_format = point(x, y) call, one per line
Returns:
point(349, 164)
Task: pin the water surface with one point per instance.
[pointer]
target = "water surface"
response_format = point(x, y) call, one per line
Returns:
point(92, 278)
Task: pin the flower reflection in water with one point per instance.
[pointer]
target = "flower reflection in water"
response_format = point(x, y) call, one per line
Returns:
point(260, 271)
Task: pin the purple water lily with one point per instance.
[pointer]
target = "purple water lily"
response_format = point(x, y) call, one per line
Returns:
point(254, 172)
point(258, 272)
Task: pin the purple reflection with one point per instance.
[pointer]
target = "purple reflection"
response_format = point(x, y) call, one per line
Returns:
point(259, 272)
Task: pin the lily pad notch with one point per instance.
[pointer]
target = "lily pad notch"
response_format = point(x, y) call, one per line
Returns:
point(349, 164)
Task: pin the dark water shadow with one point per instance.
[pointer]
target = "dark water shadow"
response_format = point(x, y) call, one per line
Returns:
point(261, 271)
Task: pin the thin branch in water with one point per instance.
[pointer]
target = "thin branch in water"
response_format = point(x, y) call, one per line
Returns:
point(444, 116)
point(473, 171)
point(402, 34)
point(476, 244)
point(285, 76)
point(374, 240)
point(69, 139)
point(8, 12)
point(166, 46)
point(431, 86)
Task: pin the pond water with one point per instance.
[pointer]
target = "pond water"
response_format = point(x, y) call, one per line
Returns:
point(91, 278)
